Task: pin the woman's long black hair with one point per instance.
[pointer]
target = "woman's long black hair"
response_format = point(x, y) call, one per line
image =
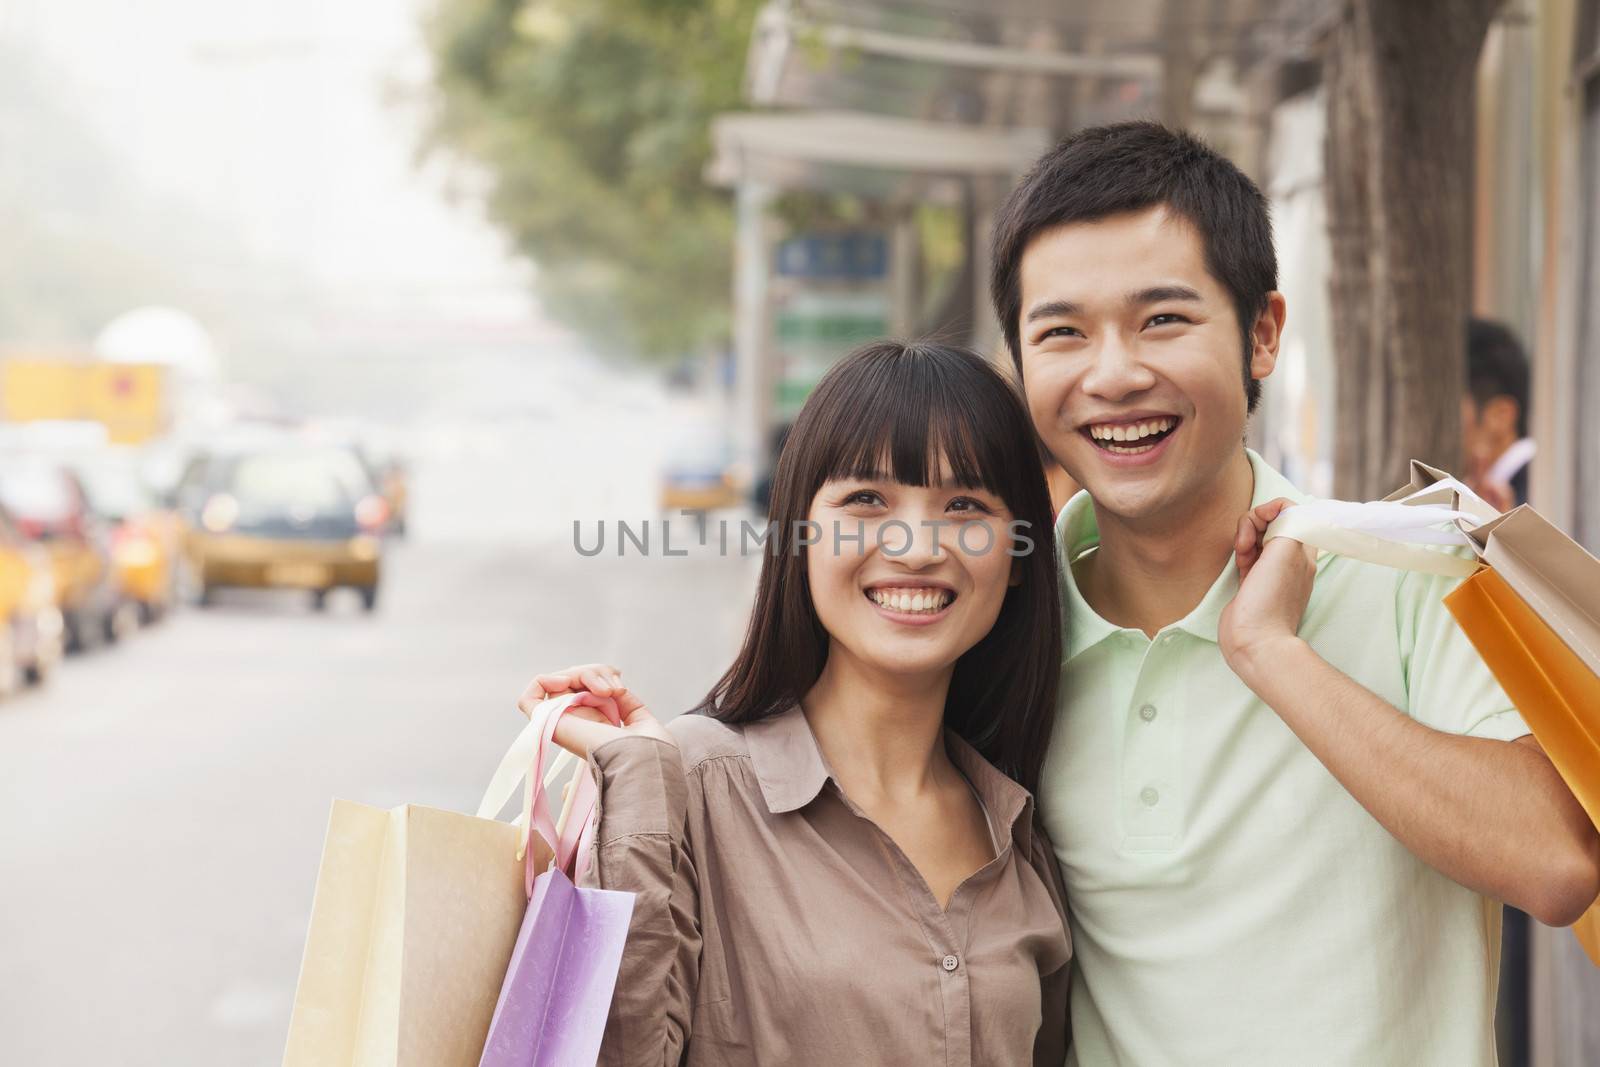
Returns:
point(914, 404)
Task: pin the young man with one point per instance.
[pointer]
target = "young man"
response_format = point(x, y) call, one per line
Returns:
point(1283, 806)
point(1494, 414)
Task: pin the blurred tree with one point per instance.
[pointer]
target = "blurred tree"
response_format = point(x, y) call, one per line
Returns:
point(591, 119)
point(1400, 85)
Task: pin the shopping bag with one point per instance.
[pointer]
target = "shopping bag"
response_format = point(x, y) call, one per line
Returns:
point(1530, 605)
point(1556, 691)
point(557, 990)
point(413, 922)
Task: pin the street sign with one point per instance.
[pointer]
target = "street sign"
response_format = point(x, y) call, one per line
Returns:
point(853, 256)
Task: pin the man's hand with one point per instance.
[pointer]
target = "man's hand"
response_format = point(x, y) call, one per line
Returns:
point(583, 728)
point(1275, 583)
point(1497, 495)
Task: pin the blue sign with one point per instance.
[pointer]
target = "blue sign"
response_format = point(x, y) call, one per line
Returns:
point(836, 256)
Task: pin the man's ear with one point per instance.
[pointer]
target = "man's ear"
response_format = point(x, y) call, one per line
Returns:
point(1266, 336)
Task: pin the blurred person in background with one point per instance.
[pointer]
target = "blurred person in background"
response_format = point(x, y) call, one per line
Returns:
point(1494, 415)
point(836, 859)
point(1494, 433)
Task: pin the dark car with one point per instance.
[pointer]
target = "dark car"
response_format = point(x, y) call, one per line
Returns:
point(295, 516)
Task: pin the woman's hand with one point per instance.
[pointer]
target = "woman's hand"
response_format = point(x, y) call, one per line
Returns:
point(583, 728)
point(1275, 583)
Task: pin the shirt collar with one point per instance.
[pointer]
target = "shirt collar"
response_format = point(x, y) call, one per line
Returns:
point(1077, 533)
point(787, 761)
point(792, 771)
point(1008, 806)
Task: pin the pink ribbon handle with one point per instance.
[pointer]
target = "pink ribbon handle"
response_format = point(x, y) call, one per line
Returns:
point(573, 844)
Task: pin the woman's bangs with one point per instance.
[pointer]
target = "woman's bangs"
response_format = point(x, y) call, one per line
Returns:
point(902, 426)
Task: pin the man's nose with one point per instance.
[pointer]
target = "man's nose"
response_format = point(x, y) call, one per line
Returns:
point(1117, 372)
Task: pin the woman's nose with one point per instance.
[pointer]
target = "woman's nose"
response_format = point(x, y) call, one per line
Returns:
point(916, 539)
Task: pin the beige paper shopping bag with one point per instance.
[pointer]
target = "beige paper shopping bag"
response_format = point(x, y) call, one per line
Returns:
point(412, 925)
point(413, 921)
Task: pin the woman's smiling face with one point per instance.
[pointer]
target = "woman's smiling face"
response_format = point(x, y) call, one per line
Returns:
point(906, 578)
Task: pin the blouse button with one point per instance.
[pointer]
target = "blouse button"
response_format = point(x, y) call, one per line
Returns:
point(951, 963)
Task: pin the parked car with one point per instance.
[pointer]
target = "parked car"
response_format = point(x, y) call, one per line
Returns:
point(291, 515)
point(49, 508)
point(146, 536)
point(31, 635)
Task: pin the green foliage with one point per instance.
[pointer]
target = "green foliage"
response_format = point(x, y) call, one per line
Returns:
point(591, 119)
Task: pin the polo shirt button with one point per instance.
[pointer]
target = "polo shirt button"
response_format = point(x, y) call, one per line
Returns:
point(1149, 796)
point(1148, 713)
point(950, 963)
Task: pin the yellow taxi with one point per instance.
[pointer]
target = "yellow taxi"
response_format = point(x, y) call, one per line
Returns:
point(31, 637)
point(286, 516)
point(697, 474)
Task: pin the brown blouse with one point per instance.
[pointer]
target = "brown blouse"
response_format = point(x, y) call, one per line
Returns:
point(774, 923)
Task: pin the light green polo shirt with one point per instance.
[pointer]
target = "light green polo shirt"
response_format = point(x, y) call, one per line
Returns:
point(1230, 903)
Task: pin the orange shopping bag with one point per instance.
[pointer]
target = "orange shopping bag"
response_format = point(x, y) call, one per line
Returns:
point(1557, 694)
point(1534, 617)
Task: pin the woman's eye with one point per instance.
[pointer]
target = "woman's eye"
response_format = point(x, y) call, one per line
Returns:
point(969, 505)
point(1165, 319)
point(863, 497)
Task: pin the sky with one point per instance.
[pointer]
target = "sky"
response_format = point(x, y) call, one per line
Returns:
point(294, 123)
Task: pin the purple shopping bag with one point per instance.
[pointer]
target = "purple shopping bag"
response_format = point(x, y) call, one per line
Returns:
point(557, 990)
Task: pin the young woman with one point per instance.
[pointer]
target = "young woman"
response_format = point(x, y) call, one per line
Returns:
point(836, 860)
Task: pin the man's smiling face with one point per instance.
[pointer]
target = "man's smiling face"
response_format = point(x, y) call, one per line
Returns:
point(1133, 360)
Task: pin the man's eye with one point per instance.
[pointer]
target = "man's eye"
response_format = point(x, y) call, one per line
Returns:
point(1165, 319)
point(1060, 331)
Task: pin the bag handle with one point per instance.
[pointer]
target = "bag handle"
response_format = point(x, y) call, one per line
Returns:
point(1400, 547)
point(572, 841)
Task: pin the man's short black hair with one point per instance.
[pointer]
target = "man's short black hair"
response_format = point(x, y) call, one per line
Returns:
point(1497, 366)
point(1130, 166)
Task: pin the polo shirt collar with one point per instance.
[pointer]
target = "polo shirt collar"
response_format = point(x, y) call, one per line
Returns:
point(791, 771)
point(1077, 533)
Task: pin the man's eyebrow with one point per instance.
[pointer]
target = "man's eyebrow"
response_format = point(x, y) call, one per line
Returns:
point(1052, 308)
point(1159, 293)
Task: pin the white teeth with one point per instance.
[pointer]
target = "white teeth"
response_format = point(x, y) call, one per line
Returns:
point(928, 601)
point(1133, 431)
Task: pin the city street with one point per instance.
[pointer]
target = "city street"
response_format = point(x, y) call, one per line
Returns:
point(164, 802)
